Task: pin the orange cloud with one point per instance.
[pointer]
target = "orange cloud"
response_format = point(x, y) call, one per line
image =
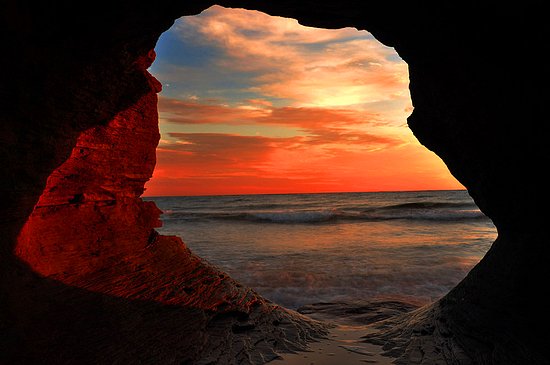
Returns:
point(192, 112)
point(321, 110)
point(311, 66)
point(210, 163)
point(334, 128)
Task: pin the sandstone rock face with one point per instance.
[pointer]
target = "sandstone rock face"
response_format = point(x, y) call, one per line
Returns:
point(91, 230)
point(91, 201)
point(85, 279)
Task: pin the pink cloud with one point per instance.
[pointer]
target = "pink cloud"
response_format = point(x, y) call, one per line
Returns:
point(347, 104)
point(322, 127)
point(310, 119)
point(313, 67)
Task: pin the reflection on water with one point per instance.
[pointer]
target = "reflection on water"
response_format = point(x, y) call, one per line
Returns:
point(306, 248)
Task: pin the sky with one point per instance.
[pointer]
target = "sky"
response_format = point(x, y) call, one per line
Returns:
point(258, 104)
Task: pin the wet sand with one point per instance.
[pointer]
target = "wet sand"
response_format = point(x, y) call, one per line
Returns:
point(343, 347)
point(350, 323)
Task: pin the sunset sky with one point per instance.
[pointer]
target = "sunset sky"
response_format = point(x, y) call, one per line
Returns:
point(259, 104)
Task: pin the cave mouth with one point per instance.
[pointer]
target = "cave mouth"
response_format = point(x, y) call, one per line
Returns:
point(80, 293)
point(247, 139)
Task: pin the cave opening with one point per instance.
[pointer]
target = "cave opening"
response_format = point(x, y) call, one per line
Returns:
point(88, 280)
point(285, 159)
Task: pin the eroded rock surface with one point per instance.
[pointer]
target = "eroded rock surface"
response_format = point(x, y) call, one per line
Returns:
point(91, 230)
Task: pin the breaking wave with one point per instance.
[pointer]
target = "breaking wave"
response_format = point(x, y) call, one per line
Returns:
point(412, 211)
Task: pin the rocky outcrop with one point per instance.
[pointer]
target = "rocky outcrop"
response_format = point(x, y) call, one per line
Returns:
point(91, 230)
point(83, 276)
point(91, 201)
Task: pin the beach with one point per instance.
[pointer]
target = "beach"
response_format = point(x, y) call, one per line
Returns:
point(300, 249)
point(348, 259)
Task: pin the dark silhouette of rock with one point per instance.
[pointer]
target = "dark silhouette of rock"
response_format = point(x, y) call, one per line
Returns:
point(91, 230)
point(84, 278)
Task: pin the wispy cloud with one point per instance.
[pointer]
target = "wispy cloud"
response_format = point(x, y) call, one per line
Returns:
point(334, 128)
point(310, 66)
point(260, 112)
point(255, 104)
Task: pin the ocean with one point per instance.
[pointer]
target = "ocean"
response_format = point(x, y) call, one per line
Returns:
point(299, 249)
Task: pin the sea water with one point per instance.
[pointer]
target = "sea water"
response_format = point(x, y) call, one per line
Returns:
point(300, 249)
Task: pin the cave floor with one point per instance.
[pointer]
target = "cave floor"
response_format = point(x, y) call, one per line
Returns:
point(349, 323)
point(343, 346)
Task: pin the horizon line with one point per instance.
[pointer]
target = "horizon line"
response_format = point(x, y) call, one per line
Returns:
point(303, 193)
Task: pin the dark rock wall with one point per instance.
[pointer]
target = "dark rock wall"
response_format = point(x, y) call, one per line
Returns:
point(77, 138)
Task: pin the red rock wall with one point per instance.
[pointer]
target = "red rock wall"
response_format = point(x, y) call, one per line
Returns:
point(91, 202)
point(91, 231)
